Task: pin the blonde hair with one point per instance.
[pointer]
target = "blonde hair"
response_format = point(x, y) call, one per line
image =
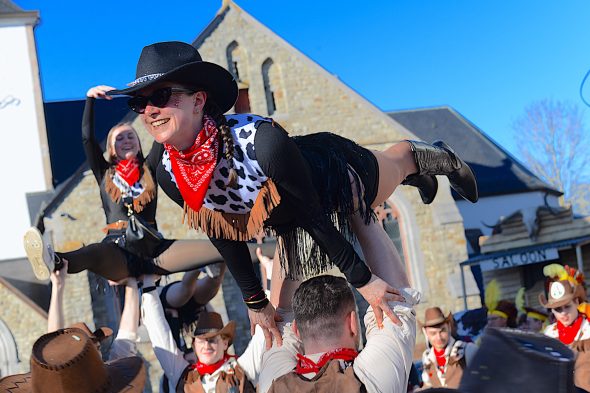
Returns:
point(111, 155)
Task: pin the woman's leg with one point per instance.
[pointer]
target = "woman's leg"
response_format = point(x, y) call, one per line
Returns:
point(208, 286)
point(395, 164)
point(185, 255)
point(105, 259)
point(202, 290)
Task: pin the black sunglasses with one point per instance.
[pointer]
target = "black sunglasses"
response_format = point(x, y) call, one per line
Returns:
point(158, 98)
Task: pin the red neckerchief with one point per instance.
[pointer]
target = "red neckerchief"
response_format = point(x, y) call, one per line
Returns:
point(567, 334)
point(193, 168)
point(441, 359)
point(204, 369)
point(306, 365)
point(128, 170)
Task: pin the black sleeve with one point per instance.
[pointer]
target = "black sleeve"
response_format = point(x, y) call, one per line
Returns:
point(154, 156)
point(94, 154)
point(237, 258)
point(282, 161)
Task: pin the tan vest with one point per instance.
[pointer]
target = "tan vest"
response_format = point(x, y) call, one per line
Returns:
point(231, 381)
point(331, 378)
point(582, 366)
point(453, 373)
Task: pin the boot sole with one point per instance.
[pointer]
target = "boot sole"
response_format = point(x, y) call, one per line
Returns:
point(33, 242)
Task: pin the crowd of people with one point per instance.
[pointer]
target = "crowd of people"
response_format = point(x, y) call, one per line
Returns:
point(235, 176)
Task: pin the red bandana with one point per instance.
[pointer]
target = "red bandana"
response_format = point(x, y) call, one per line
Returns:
point(567, 334)
point(128, 170)
point(306, 365)
point(193, 168)
point(441, 360)
point(204, 369)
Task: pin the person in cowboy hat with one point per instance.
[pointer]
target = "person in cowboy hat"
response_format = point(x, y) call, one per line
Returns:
point(215, 370)
point(67, 361)
point(513, 361)
point(124, 344)
point(237, 174)
point(320, 351)
point(565, 294)
point(445, 358)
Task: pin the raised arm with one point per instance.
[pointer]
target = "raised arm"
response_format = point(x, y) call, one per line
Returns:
point(124, 344)
point(94, 154)
point(239, 262)
point(55, 315)
point(170, 357)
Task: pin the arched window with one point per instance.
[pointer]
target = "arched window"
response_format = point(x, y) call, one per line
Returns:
point(237, 62)
point(237, 66)
point(271, 105)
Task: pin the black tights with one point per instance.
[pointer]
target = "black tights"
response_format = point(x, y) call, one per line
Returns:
point(113, 263)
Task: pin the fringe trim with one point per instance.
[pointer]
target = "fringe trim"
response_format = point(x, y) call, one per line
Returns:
point(239, 227)
point(147, 181)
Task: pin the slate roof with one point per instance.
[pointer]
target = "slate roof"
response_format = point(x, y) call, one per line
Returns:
point(497, 172)
point(8, 7)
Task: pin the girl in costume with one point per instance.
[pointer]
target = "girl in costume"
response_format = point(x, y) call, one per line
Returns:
point(566, 298)
point(237, 174)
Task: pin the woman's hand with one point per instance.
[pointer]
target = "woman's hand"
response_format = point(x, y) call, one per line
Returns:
point(267, 319)
point(100, 92)
point(377, 293)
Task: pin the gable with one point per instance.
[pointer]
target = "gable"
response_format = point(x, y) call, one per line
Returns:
point(312, 98)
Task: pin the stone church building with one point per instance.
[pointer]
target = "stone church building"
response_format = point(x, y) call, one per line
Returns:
point(275, 80)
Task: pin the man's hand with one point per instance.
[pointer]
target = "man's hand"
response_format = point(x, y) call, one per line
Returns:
point(267, 319)
point(377, 293)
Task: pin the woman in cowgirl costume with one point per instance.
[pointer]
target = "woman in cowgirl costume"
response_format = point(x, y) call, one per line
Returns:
point(127, 182)
point(237, 174)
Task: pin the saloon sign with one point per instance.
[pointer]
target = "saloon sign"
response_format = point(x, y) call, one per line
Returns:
point(519, 259)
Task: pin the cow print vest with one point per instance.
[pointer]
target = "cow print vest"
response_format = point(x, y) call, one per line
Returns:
point(239, 199)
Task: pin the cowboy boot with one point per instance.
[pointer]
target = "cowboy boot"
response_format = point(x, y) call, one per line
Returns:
point(427, 186)
point(439, 159)
point(41, 256)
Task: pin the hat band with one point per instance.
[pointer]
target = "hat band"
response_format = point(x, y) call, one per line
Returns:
point(201, 331)
point(145, 78)
point(498, 313)
point(537, 316)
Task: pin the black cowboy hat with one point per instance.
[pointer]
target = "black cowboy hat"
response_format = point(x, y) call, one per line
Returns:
point(180, 62)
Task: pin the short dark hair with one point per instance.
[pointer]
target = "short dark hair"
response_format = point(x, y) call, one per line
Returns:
point(319, 305)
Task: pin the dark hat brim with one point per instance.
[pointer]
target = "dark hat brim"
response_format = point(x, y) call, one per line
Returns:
point(216, 80)
point(126, 375)
point(228, 330)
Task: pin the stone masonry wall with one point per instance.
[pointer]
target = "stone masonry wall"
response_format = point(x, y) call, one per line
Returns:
point(25, 321)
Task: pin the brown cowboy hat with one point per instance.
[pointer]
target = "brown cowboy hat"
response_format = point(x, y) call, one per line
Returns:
point(66, 361)
point(96, 336)
point(181, 62)
point(434, 316)
point(561, 293)
point(210, 325)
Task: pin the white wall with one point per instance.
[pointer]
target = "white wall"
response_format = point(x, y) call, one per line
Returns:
point(489, 209)
point(22, 155)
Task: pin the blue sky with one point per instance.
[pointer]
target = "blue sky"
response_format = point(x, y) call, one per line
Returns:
point(487, 59)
